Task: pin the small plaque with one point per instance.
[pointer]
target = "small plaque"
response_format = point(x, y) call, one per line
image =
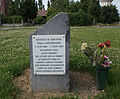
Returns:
point(49, 54)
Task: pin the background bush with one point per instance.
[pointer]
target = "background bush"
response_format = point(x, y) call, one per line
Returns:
point(9, 19)
point(85, 12)
point(4, 19)
point(80, 18)
point(40, 20)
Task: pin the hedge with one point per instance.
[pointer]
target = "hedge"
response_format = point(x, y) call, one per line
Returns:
point(11, 19)
point(40, 20)
point(80, 18)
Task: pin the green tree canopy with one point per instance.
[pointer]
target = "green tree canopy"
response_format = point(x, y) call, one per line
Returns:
point(60, 5)
point(73, 6)
point(52, 1)
point(14, 7)
point(110, 14)
point(28, 9)
point(40, 4)
point(48, 4)
point(94, 10)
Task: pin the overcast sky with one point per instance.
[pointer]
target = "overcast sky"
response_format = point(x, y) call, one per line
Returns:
point(115, 2)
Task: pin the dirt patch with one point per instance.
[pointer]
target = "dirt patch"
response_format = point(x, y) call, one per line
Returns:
point(81, 83)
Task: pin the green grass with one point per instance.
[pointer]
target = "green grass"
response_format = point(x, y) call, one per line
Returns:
point(81, 63)
point(14, 57)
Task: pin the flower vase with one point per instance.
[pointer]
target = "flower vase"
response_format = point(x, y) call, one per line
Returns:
point(101, 77)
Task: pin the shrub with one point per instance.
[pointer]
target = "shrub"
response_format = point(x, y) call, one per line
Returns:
point(6, 19)
point(80, 18)
point(52, 15)
point(17, 19)
point(40, 20)
point(110, 14)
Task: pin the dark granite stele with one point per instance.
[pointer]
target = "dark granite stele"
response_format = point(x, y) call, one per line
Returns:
point(58, 25)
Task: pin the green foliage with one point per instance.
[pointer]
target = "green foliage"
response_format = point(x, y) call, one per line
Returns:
point(7, 89)
point(14, 59)
point(80, 18)
point(13, 8)
point(101, 15)
point(25, 8)
point(48, 4)
point(36, 6)
point(80, 62)
point(84, 5)
point(11, 19)
point(28, 10)
point(40, 20)
point(40, 4)
point(110, 14)
point(94, 10)
point(77, 10)
point(51, 13)
point(4, 19)
point(73, 7)
point(52, 1)
point(60, 5)
point(112, 92)
point(15, 19)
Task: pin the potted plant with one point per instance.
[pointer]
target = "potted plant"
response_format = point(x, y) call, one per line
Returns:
point(99, 60)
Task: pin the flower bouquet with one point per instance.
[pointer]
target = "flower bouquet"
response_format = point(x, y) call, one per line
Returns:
point(99, 60)
point(97, 57)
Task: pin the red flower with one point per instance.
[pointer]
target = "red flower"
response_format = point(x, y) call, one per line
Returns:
point(99, 44)
point(107, 43)
point(106, 63)
point(103, 44)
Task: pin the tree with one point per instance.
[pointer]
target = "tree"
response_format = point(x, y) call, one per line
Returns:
point(73, 6)
point(84, 5)
point(48, 4)
point(28, 10)
point(40, 4)
point(13, 8)
point(36, 5)
point(110, 14)
point(80, 18)
point(94, 10)
point(43, 7)
point(60, 5)
point(52, 1)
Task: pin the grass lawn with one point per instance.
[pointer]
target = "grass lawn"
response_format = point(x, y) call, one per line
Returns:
point(14, 57)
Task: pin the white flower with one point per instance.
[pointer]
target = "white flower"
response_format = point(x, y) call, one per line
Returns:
point(84, 45)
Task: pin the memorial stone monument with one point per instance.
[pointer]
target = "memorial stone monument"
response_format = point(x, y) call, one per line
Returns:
point(50, 54)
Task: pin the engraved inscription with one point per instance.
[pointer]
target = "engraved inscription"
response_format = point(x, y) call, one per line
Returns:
point(49, 54)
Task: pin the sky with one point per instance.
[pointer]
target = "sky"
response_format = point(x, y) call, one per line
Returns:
point(115, 2)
